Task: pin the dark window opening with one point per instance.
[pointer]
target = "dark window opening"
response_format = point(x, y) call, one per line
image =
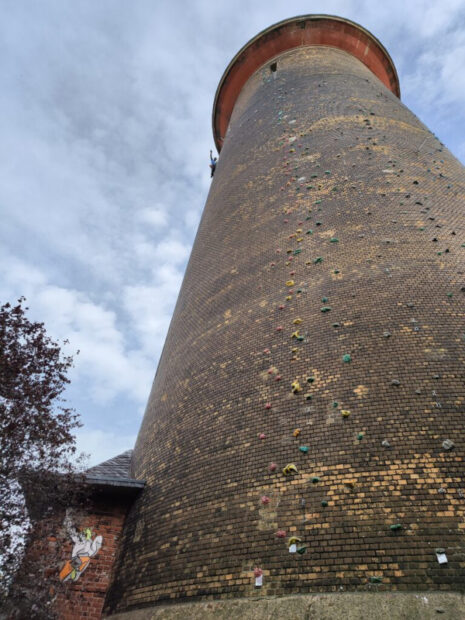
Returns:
point(274, 67)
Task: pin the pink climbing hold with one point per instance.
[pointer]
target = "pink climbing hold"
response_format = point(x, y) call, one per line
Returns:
point(281, 307)
point(262, 436)
point(286, 221)
point(277, 378)
point(290, 258)
point(281, 534)
point(266, 351)
point(278, 251)
point(279, 328)
point(270, 371)
point(272, 467)
point(292, 273)
point(257, 572)
point(268, 406)
point(265, 499)
point(272, 264)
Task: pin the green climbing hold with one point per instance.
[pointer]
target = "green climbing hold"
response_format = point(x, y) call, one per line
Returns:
point(449, 294)
point(396, 526)
point(301, 550)
point(310, 187)
point(314, 176)
point(318, 223)
point(376, 579)
point(303, 449)
point(315, 479)
point(324, 300)
point(298, 251)
point(336, 271)
point(327, 171)
point(317, 202)
point(317, 260)
point(310, 231)
point(360, 436)
point(336, 325)
point(334, 240)
point(335, 404)
point(308, 397)
point(325, 309)
point(463, 245)
point(324, 503)
point(300, 338)
point(346, 358)
point(310, 379)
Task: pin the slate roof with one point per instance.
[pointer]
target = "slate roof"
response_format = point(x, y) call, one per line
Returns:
point(115, 472)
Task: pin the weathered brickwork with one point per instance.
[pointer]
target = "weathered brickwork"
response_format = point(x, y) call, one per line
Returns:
point(83, 598)
point(333, 213)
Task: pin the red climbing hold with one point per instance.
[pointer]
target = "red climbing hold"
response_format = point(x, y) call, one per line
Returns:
point(281, 534)
point(262, 436)
point(272, 466)
point(265, 499)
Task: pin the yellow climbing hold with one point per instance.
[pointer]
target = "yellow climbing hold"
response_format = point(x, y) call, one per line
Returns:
point(297, 321)
point(345, 413)
point(295, 334)
point(288, 297)
point(290, 282)
point(299, 230)
point(295, 387)
point(293, 540)
point(297, 432)
point(349, 483)
point(290, 469)
point(300, 239)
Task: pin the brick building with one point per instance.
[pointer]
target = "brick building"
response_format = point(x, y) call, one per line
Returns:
point(303, 443)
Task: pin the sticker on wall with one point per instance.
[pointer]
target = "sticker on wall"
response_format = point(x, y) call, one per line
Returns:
point(84, 548)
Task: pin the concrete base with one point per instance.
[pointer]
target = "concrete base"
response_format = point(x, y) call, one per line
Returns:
point(347, 606)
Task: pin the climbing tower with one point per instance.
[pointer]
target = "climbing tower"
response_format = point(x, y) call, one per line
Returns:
point(305, 429)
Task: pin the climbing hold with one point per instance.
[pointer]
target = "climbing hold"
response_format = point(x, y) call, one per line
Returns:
point(308, 397)
point(345, 413)
point(293, 540)
point(324, 503)
point(272, 466)
point(303, 449)
point(295, 334)
point(315, 480)
point(290, 469)
point(360, 436)
point(290, 283)
point(396, 527)
point(265, 499)
point(281, 534)
point(335, 404)
point(448, 444)
point(441, 491)
point(288, 297)
point(334, 240)
point(279, 328)
point(267, 405)
point(257, 572)
point(295, 387)
point(324, 300)
point(349, 483)
point(375, 579)
point(336, 325)
point(387, 334)
point(301, 550)
point(282, 306)
point(327, 171)
point(325, 309)
point(277, 378)
point(309, 232)
point(262, 436)
point(297, 432)
point(346, 358)
point(395, 382)
point(385, 443)
point(310, 379)
point(449, 294)
point(336, 271)
point(297, 321)
point(318, 259)
point(441, 555)
point(298, 251)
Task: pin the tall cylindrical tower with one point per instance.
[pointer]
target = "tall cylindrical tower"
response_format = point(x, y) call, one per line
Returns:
point(307, 415)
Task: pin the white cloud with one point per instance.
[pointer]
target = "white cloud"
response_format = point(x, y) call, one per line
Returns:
point(102, 445)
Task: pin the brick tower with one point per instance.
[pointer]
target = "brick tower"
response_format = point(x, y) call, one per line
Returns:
point(307, 415)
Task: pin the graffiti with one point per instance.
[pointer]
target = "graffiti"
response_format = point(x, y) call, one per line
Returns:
point(84, 549)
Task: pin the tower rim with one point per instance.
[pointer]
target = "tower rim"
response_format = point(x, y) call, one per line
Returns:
point(291, 33)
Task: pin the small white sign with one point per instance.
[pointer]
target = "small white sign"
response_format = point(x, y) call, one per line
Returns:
point(259, 581)
point(292, 548)
point(442, 558)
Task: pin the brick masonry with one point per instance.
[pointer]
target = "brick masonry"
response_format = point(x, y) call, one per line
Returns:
point(326, 179)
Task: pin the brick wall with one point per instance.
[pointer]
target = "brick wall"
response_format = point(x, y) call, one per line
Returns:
point(325, 179)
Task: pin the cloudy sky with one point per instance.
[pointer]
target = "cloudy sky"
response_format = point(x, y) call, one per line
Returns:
point(105, 117)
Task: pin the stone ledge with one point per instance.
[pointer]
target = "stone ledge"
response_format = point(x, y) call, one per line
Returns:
point(347, 606)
